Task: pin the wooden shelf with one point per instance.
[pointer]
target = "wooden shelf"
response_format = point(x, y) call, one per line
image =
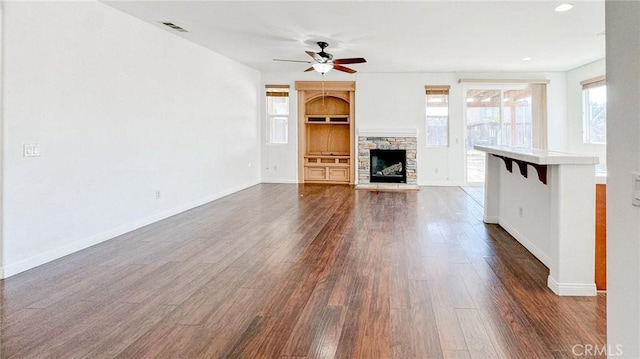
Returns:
point(329, 161)
point(327, 119)
point(327, 155)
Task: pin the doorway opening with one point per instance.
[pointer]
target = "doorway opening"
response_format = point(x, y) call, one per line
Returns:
point(496, 115)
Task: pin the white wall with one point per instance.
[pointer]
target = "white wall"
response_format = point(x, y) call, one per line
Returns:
point(396, 100)
point(623, 157)
point(574, 111)
point(121, 110)
point(525, 210)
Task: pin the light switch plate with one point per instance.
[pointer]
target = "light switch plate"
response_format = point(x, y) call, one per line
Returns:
point(31, 150)
point(635, 199)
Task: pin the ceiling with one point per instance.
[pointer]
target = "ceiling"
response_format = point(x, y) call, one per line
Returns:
point(394, 36)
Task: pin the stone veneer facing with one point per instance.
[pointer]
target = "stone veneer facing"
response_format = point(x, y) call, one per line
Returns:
point(365, 144)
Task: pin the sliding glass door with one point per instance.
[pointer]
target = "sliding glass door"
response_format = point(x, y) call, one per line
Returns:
point(495, 116)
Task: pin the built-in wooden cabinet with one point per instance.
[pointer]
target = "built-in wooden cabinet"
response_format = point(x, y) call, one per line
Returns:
point(326, 148)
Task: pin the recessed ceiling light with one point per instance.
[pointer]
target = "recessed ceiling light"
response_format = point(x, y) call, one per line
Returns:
point(564, 7)
point(526, 59)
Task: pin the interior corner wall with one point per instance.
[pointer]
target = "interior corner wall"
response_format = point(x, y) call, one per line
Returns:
point(574, 111)
point(121, 110)
point(623, 158)
point(557, 129)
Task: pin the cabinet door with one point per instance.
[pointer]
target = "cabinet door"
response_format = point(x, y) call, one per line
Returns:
point(339, 174)
point(316, 173)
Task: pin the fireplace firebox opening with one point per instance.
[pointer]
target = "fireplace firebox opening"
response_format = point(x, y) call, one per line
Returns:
point(388, 166)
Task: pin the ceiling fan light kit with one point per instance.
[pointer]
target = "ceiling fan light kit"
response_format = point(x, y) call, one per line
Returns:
point(324, 61)
point(323, 68)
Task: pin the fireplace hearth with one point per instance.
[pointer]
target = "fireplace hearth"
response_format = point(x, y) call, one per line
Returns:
point(388, 166)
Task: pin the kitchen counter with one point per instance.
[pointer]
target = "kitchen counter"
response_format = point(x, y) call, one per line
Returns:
point(546, 200)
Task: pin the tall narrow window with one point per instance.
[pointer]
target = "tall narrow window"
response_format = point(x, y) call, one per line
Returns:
point(594, 110)
point(437, 115)
point(277, 114)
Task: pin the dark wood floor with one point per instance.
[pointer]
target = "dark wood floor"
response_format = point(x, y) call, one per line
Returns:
point(287, 271)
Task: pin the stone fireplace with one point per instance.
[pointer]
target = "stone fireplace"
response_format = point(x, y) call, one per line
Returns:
point(401, 142)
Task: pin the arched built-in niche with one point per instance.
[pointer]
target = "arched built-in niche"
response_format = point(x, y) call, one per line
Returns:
point(326, 132)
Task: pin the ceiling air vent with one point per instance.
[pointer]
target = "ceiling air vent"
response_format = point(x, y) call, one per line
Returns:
point(174, 26)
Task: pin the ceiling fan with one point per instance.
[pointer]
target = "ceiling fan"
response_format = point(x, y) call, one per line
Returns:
point(324, 61)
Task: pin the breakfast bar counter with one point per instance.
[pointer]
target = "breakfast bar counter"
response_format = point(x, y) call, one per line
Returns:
point(546, 200)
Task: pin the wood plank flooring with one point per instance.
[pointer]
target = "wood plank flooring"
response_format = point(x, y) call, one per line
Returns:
point(301, 271)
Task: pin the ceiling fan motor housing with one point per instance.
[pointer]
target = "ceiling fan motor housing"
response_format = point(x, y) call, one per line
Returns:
point(325, 55)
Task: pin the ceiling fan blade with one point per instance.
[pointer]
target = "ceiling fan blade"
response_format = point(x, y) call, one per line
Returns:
point(315, 56)
point(309, 69)
point(344, 69)
point(353, 60)
point(306, 62)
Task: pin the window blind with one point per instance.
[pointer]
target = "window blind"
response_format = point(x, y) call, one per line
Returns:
point(277, 90)
point(594, 82)
point(437, 90)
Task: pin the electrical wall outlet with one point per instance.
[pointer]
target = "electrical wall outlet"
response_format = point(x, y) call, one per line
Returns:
point(158, 195)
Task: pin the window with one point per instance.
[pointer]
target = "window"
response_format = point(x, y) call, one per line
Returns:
point(437, 115)
point(496, 115)
point(594, 110)
point(499, 116)
point(277, 114)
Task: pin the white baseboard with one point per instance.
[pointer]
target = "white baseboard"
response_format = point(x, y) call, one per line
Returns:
point(278, 180)
point(537, 252)
point(561, 289)
point(572, 289)
point(491, 219)
point(1, 273)
point(26, 264)
point(439, 184)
